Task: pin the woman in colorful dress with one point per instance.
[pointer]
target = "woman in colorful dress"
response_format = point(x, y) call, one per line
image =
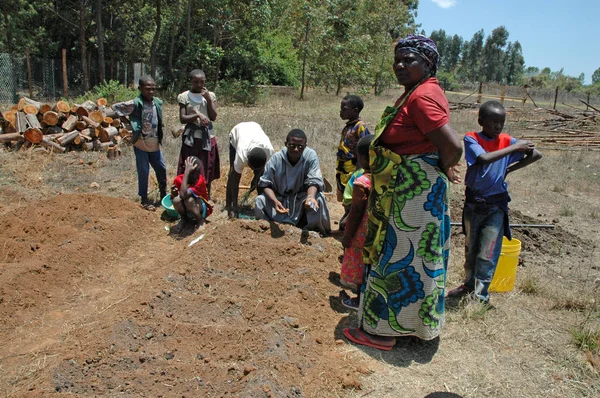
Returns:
point(406, 252)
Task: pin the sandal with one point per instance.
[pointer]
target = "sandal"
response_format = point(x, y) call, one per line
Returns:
point(359, 337)
point(351, 303)
point(148, 206)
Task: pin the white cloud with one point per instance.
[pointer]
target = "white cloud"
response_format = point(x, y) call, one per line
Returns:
point(445, 3)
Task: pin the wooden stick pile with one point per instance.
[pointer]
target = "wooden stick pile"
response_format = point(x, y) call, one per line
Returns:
point(577, 129)
point(60, 127)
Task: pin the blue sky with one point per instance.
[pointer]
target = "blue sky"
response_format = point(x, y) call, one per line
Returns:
point(554, 34)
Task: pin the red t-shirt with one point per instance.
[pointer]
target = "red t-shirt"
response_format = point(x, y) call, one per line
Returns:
point(425, 110)
point(198, 190)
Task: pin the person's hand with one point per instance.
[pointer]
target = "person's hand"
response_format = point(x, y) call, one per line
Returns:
point(205, 93)
point(232, 214)
point(189, 165)
point(453, 174)
point(311, 203)
point(174, 192)
point(202, 119)
point(524, 146)
point(280, 209)
point(346, 241)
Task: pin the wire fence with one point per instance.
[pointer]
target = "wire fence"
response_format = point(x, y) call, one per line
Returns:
point(42, 78)
point(514, 95)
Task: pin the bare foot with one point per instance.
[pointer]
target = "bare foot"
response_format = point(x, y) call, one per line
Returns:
point(179, 226)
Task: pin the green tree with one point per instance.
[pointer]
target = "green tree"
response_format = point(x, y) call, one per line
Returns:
point(515, 63)
point(494, 55)
point(596, 76)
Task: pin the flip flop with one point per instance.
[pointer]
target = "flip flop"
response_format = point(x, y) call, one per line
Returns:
point(362, 339)
point(350, 302)
point(148, 206)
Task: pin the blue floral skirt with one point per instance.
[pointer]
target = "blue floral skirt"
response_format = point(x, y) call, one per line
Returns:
point(406, 248)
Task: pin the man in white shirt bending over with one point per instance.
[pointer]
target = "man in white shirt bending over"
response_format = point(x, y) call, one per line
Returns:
point(248, 145)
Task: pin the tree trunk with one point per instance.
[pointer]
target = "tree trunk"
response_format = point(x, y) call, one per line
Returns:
point(100, 33)
point(305, 52)
point(82, 45)
point(188, 23)
point(155, 41)
point(173, 34)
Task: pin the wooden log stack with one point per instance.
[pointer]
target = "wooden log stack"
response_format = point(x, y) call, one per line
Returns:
point(61, 127)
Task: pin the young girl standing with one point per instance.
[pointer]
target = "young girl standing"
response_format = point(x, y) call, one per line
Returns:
point(353, 240)
point(197, 110)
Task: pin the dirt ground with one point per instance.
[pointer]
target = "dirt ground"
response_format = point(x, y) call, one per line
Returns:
point(97, 298)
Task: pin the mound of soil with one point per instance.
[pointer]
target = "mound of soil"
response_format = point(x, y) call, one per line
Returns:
point(98, 299)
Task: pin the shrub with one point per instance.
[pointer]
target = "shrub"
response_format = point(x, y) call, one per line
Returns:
point(448, 81)
point(238, 91)
point(112, 90)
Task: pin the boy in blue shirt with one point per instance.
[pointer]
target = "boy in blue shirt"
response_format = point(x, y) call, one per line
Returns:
point(490, 156)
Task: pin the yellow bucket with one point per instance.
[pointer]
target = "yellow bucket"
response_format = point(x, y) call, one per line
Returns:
point(506, 270)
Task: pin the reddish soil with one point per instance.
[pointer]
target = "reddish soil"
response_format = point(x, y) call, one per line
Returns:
point(96, 298)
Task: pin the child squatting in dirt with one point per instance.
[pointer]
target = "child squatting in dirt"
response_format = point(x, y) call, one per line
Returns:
point(189, 195)
point(490, 155)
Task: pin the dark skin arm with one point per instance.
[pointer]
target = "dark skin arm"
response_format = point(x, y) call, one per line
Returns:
point(210, 105)
point(449, 149)
point(184, 193)
point(233, 188)
point(532, 156)
point(357, 209)
point(519, 146)
point(186, 118)
point(312, 191)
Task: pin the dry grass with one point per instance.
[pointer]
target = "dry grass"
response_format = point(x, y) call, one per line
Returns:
point(540, 340)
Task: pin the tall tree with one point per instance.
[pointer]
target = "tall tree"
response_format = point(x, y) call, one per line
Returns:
point(494, 55)
point(596, 76)
point(83, 9)
point(471, 62)
point(153, 50)
point(100, 34)
point(514, 63)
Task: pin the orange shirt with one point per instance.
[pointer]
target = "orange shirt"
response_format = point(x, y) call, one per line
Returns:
point(425, 110)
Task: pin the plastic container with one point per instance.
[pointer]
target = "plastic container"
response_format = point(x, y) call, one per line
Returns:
point(506, 270)
point(168, 205)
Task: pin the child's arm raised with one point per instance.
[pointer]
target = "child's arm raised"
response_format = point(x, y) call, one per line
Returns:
point(533, 156)
point(190, 166)
point(519, 146)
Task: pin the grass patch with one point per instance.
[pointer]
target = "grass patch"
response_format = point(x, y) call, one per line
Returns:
point(473, 310)
point(558, 189)
point(572, 303)
point(530, 285)
point(586, 338)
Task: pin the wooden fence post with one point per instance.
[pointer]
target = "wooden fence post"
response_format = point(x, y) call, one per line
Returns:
point(64, 74)
point(29, 79)
point(502, 94)
point(555, 98)
point(480, 91)
point(588, 101)
point(524, 95)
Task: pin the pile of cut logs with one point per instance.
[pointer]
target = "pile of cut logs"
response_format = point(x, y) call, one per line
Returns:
point(91, 126)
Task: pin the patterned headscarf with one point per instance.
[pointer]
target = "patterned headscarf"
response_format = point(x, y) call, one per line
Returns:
point(423, 46)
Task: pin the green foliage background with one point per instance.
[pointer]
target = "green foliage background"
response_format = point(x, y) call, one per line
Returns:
point(244, 43)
